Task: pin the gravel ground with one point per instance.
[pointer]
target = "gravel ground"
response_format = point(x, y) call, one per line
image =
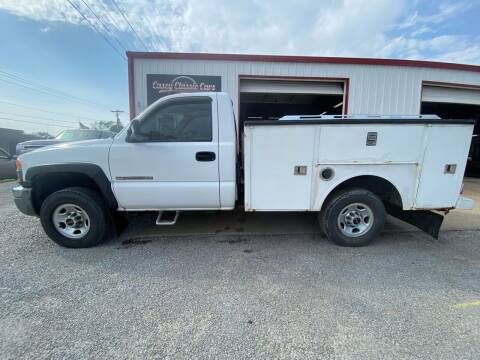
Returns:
point(237, 296)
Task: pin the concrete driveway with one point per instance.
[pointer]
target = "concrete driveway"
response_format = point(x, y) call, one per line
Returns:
point(238, 286)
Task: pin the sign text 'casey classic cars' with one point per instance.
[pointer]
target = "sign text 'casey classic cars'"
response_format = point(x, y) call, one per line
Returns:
point(159, 85)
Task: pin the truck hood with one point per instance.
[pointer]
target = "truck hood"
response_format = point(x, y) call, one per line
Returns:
point(62, 144)
point(78, 152)
point(31, 145)
point(43, 142)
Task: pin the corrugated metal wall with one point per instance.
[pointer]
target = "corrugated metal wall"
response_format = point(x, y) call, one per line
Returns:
point(374, 89)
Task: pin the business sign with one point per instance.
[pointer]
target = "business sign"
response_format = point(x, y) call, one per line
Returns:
point(159, 85)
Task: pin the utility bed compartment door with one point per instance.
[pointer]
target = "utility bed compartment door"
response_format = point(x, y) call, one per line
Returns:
point(278, 167)
point(440, 183)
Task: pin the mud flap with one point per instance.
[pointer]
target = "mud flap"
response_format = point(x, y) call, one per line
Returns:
point(427, 221)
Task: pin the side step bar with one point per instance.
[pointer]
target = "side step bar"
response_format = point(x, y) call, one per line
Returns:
point(167, 217)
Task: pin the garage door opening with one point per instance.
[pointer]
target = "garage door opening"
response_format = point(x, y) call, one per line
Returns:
point(272, 99)
point(456, 103)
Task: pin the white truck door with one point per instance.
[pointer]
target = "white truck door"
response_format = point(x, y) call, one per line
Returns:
point(176, 166)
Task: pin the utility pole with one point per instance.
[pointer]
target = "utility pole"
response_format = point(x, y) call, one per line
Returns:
point(116, 113)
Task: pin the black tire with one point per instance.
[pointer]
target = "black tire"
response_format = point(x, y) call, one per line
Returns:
point(91, 202)
point(332, 225)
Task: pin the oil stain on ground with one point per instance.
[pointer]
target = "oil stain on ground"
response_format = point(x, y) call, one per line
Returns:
point(127, 243)
point(234, 240)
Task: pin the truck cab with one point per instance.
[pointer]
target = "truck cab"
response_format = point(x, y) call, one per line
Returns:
point(186, 150)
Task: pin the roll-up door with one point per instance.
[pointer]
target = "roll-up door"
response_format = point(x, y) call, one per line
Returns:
point(453, 95)
point(456, 102)
point(291, 87)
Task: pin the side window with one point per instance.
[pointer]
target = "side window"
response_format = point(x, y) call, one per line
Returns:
point(180, 120)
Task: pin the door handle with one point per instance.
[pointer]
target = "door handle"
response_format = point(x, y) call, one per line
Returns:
point(205, 156)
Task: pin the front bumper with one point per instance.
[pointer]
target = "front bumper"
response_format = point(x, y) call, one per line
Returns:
point(23, 200)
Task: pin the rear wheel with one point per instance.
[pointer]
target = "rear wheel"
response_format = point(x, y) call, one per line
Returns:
point(75, 217)
point(353, 217)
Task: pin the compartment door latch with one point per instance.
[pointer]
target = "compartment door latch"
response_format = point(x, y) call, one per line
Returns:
point(300, 170)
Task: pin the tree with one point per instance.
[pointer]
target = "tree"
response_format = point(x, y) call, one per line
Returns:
point(107, 125)
point(43, 135)
point(116, 128)
point(102, 125)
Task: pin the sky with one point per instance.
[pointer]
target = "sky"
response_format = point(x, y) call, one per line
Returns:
point(63, 61)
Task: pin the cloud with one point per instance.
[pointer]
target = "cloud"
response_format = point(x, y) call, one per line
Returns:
point(370, 28)
point(45, 29)
point(441, 14)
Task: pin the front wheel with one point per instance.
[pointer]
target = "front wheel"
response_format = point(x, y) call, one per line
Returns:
point(75, 217)
point(353, 217)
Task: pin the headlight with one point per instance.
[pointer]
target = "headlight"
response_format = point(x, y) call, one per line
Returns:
point(18, 165)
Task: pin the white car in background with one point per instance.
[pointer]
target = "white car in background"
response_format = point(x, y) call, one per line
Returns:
point(64, 136)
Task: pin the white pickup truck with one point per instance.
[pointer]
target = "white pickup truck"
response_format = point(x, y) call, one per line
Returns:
point(182, 154)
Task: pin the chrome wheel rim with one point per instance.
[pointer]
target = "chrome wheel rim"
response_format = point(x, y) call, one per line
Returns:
point(355, 220)
point(71, 221)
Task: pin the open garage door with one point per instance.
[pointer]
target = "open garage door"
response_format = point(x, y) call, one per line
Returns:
point(263, 99)
point(452, 95)
point(450, 102)
point(270, 99)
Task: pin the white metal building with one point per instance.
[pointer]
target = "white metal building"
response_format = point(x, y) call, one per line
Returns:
point(267, 87)
point(365, 86)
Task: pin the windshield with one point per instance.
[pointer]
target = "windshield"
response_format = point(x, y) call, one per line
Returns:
point(72, 135)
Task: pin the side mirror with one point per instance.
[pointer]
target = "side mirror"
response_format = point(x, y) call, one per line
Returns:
point(133, 132)
point(135, 126)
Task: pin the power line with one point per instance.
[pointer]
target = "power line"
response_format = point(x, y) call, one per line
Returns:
point(35, 117)
point(33, 122)
point(39, 90)
point(45, 89)
point(128, 22)
point(34, 89)
point(21, 79)
point(104, 26)
point(96, 30)
point(111, 20)
point(48, 111)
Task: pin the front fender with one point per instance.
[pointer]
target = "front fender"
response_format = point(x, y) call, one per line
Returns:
point(94, 172)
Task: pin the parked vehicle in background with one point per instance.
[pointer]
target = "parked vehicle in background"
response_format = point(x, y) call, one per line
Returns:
point(7, 165)
point(181, 154)
point(63, 137)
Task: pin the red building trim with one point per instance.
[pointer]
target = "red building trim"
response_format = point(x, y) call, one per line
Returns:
point(346, 92)
point(303, 59)
point(131, 88)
